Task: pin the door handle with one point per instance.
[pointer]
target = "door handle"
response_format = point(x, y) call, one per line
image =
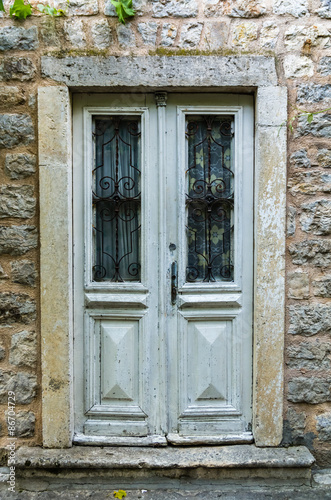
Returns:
point(174, 282)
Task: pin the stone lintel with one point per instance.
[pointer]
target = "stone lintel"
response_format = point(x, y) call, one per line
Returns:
point(156, 71)
point(211, 457)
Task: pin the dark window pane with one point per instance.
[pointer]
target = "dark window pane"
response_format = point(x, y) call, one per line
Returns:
point(209, 198)
point(116, 198)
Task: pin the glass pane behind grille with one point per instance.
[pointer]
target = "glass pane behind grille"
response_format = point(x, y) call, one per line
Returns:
point(209, 198)
point(116, 198)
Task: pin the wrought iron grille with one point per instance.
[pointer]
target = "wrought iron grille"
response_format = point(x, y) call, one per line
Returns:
point(210, 198)
point(116, 198)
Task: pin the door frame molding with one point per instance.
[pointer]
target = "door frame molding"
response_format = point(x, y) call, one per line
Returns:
point(236, 74)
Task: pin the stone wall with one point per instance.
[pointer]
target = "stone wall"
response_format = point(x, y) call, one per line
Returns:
point(298, 34)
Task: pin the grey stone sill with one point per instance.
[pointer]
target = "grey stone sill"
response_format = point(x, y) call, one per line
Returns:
point(211, 457)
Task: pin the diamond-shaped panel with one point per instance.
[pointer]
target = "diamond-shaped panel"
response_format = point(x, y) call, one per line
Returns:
point(119, 361)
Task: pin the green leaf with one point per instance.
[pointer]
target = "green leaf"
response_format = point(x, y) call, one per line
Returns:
point(50, 11)
point(123, 9)
point(310, 117)
point(1, 6)
point(20, 10)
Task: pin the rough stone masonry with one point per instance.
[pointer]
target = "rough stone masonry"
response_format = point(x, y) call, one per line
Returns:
point(298, 34)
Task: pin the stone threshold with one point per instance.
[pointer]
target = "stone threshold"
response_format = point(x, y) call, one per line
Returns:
point(207, 457)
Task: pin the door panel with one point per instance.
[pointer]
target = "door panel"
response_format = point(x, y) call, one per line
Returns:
point(211, 323)
point(163, 254)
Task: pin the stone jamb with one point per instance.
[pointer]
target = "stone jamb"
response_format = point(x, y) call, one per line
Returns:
point(239, 73)
point(55, 172)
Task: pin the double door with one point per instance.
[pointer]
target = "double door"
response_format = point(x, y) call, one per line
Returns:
point(163, 255)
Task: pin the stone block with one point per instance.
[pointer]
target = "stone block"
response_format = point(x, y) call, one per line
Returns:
point(23, 384)
point(54, 148)
point(298, 283)
point(24, 272)
point(74, 33)
point(16, 307)
point(269, 34)
point(125, 35)
point(306, 37)
point(309, 356)
point(11, 96)
point(18, 68)
point(215, 35)
point(315, 252)
point(23, 349)
point(2, 353)
point(148, 32)
point(325, 10)
point(17, 240)
point(269, 112)
point(322, 287)
point(324, 66)
point(324, 158)
point(3, 275)
point(101, 34)
point(139, 7)
point(297, 421)
point(311, 390)
point(12, 37)
point(32, 100)
point(15, 130)
point(157, 71)
point(190, 35)
point(309, 320)
point(20, 165)
point(323, 426)
point(175, 8)
point(298, 66)
point(300, 159)
point(24, 423)
point(168, 34)
point(48, 33)
point(313, 93)
point(316, 217)
point(83, 7)
point(213, 8)
point(17, 201)
point(309, 182)
point(244, 34)
point(319, 127)
point(291, 221)
point(296, 8)
point(245, 8)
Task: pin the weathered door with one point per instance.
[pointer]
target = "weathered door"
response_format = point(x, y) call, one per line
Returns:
point(163, 251)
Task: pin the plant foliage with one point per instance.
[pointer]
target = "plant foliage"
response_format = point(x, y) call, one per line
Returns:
point(21, 10)
point(120, 494)
point(123, 9)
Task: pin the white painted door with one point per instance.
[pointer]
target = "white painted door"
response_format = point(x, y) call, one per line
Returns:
point(163, 252)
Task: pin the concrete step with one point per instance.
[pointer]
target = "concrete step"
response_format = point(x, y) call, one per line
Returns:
point(169, 472)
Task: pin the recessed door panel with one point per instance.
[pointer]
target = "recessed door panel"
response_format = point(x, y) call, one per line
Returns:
point(119, 371)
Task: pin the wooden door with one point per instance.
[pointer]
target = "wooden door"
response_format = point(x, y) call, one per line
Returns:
point(163, 233)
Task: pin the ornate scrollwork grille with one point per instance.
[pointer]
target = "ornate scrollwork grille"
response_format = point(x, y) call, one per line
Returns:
point(116, 198)
point(210, 198)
